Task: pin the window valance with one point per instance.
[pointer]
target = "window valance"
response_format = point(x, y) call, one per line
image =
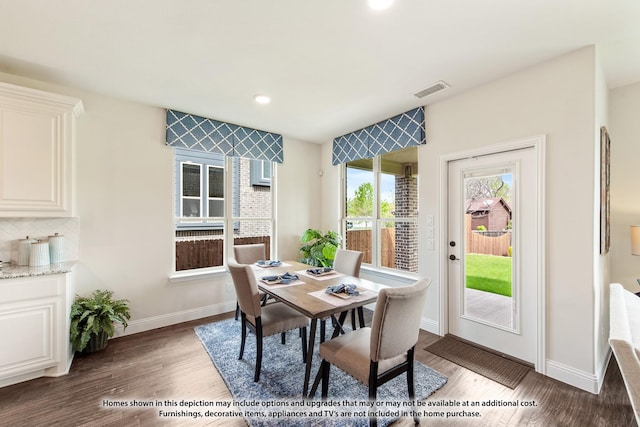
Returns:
point(202, 134)
point(401, 131)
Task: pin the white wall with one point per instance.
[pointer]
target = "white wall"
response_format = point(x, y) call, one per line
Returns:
point(126, 204)
point(624, 130)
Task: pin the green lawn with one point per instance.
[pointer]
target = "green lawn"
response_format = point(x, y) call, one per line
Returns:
point(489, 273)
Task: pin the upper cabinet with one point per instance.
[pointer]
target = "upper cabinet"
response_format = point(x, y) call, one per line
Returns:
point(37, 152)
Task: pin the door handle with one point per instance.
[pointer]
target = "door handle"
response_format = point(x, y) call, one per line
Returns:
point(454, 258)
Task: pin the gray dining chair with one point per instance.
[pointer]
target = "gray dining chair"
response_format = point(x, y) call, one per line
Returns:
point(249, 254)
point(348, 262)
point(380, 353)
point(263, 321)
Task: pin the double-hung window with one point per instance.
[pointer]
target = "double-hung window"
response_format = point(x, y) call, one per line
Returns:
point(219, 204)
point(380, 215)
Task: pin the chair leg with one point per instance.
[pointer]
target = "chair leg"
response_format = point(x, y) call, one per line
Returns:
point(323, 329)
point(361, 316)
point(325, 367)
point(373, 389)
point(410, 381)
point(283, 338)
point(256, 377)
point(237, 310)
point(303, 336)
point(353, 319)
point(244, 336)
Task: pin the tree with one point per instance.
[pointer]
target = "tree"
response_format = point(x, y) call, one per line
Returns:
point(361, 205)
point(487, 188)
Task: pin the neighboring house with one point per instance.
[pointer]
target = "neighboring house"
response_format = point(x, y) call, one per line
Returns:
point(492, 213)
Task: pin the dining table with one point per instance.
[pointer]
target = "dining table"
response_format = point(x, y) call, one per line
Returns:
point(307, 293)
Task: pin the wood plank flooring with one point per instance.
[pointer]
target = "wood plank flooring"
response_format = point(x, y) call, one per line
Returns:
point(170, 363)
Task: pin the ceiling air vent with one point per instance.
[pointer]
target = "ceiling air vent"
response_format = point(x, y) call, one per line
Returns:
point(436, 87)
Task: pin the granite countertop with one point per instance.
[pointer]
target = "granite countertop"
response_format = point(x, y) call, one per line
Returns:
point(13, 271)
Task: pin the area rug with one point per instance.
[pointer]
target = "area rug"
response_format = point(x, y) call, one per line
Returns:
point(497, 368)
point(277, 398)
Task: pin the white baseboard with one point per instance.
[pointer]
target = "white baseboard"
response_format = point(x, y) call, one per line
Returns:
point(149, 323)
point(583, 380)
point(430, 325)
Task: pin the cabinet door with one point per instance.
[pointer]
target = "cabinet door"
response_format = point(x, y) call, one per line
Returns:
point(36, 152)
point(27, 333)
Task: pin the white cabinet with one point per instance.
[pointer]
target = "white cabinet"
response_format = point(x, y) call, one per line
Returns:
point(36, 152)
point(34, 327)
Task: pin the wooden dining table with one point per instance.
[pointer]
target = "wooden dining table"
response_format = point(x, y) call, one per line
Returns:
point(308, 296)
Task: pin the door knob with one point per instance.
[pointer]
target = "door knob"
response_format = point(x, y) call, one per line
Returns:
point(454, 258)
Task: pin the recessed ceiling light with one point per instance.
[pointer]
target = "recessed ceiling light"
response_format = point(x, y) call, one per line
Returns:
point(380, 4)
point(262, 99)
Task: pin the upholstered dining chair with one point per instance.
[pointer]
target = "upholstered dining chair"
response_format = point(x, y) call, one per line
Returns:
point(264, 321)
point(377, 354)
point(249, 254)
point(348, 262)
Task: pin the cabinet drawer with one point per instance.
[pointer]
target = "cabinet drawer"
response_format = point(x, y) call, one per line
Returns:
point(29, 288)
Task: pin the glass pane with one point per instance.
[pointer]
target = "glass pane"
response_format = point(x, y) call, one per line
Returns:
point(266, 170)
point(216, 208)
point(199, 248)
point(250, 201)
point(191, 207)
point(216, 183)
point(488, 246)
point(252, 231)
point(191, 180)
point(358, 238)
point(399, 184)
point(359, 191)
point(399, 245)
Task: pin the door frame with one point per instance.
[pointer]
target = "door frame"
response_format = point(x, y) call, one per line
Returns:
point(538, 143)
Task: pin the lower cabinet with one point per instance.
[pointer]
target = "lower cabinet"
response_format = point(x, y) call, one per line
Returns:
point(34, 327)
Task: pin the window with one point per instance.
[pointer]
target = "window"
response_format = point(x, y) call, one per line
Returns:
point(261, 173)
point(217, 205)
point(381, 209)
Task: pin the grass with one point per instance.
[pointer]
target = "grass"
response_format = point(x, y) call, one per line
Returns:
point(489, 273)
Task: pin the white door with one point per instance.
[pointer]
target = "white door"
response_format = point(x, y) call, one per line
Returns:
point(492, 251)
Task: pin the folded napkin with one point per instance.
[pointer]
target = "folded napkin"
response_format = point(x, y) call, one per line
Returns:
point(319, 270)
point(285, 278)
point(349, 289)
point(268, 263)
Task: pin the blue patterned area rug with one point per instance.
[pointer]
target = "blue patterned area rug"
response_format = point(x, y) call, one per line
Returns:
point(277, 398)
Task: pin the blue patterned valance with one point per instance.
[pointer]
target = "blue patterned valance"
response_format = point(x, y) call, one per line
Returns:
point(402, 131)
point(202, 134)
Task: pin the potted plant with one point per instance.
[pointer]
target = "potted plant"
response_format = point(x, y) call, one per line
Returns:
point(319, 249)
point(92, 320)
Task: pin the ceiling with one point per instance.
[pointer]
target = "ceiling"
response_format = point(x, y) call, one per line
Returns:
point(330, 66)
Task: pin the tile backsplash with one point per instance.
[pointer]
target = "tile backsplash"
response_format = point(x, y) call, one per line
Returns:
point(14, 229)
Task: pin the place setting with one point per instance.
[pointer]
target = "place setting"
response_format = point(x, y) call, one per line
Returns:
point(286, 279)
point(342, 294)
point(320, 273)
point(265, 263)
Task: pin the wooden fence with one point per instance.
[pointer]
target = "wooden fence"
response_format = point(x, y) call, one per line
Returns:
point(202, 253)
point(360, 240)
point(488, 243)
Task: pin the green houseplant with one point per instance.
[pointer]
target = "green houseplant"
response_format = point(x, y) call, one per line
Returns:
point(92, 320)
point(319, 249)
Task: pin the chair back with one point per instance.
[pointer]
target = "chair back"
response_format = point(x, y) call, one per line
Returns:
point(249, 254)
point(246, 287)
point(396, 320)
point(348, 262)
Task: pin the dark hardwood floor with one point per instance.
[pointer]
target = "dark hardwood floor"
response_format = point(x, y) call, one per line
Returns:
point(170, 363)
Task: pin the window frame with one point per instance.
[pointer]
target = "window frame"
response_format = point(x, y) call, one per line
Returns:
point(228, 223)
point(377, 220)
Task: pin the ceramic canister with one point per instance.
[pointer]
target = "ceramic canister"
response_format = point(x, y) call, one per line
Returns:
point(24, 248)
point(39, 254)
point(56, 248)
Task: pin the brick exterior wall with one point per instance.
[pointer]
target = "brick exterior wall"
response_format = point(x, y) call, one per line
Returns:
point(406, 236)
point(255, 202)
